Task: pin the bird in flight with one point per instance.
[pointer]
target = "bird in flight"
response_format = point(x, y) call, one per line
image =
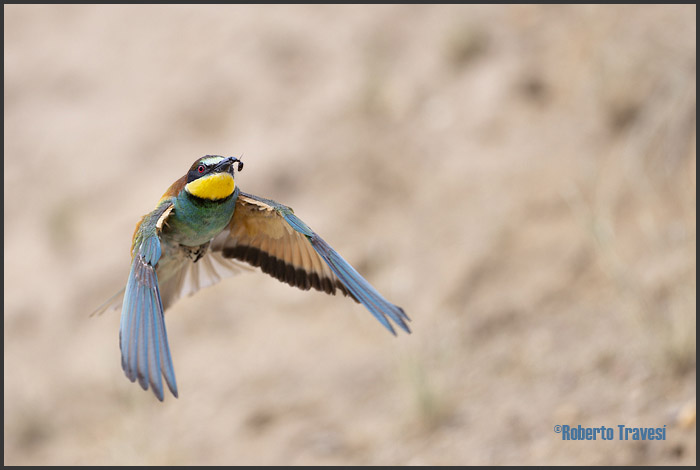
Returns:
point(200, 231)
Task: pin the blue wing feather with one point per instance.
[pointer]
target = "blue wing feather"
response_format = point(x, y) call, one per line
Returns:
point(166, 362)
point(143, 339)
point(153, 350)
point(351, 279)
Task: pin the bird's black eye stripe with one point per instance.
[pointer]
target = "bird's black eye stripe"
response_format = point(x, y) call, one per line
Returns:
point(197, 171)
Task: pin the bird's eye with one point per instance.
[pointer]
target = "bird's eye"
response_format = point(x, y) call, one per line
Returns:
point(200, 169)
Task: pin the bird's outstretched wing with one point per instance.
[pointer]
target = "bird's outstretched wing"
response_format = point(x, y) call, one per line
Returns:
point(142, 337)
point(267, 234)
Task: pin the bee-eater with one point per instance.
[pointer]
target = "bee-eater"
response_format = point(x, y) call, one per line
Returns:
point(199, 232)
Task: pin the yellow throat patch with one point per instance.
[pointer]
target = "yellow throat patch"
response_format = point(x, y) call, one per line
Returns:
point(214, 186)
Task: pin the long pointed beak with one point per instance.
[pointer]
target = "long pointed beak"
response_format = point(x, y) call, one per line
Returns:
point(227, 165)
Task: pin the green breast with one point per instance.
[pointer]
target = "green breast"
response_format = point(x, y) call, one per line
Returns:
point(195, 221)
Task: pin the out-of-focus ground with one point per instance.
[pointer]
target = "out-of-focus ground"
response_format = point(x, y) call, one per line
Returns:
point(521, 179)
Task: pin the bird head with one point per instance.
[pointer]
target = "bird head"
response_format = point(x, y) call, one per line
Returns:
point(211, 177)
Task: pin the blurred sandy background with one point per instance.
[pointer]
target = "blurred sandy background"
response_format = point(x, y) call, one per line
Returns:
point(520, 179)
